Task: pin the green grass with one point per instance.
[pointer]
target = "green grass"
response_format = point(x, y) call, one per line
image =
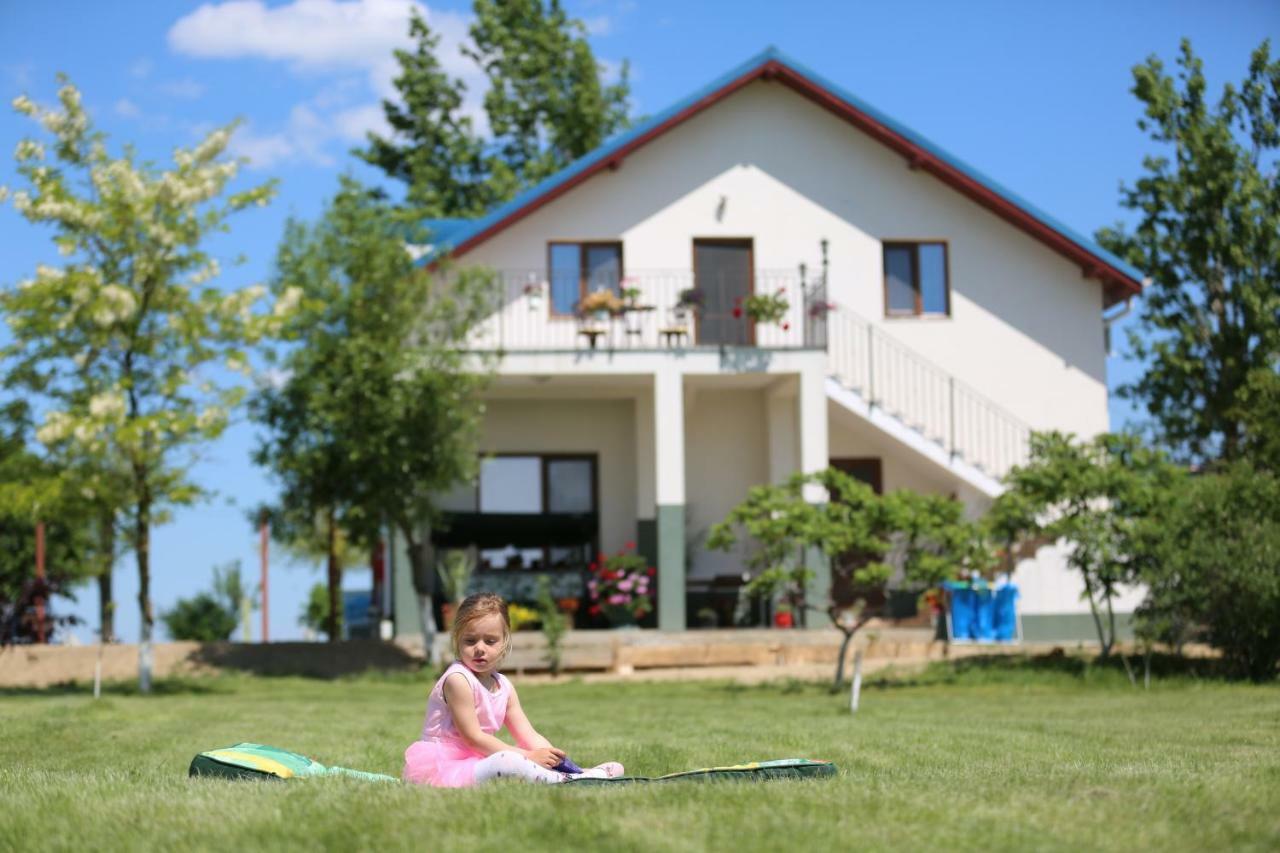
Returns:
point(987, 755)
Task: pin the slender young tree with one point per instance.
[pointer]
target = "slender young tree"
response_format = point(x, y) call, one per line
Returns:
point(380, 413)
point(1208, 235)
point(131, 351)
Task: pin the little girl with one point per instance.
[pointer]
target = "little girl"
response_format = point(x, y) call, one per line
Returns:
point(471, 702)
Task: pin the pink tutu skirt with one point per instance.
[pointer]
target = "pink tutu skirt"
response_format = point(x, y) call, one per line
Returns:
point(440, 763)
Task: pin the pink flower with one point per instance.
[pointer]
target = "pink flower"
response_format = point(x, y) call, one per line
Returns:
point(617, 599)
point(625, 585)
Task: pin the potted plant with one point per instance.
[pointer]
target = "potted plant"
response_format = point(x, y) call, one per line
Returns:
point(619, 587)
point(764, 307)
point(690, 301)
point(600, 304)
point(521, 617)
point(782, 616)
point(533, 292)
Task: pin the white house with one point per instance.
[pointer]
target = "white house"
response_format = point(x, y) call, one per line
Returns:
point(933, 319)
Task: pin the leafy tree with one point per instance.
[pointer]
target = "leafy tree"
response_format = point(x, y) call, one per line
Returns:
point(546, 104)
point(870, 539)
point(1208, 235)
point(210, 617)
point(546, 107)
point(1089, 496)
point(123, 342)
point(32, 491)
point(1211, 561)
point(380, 411)
point(319, 615)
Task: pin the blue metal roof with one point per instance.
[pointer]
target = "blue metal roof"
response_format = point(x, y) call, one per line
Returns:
point(455, 232)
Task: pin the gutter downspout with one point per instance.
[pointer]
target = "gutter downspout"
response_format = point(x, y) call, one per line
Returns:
point(1109, 321)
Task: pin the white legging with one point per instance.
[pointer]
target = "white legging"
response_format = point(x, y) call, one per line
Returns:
point(508, 764)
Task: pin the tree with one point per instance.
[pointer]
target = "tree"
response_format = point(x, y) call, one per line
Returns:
point(123, 343)
point(318, 613)
point(546, 107)
point(869, 539)
point(211, 617)
point(1089, 496)
point(380, 412)
point(1208, 236)
point(1211, 561)
point(31, 491)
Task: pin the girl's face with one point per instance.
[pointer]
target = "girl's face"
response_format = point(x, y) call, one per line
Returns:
point(481, 643)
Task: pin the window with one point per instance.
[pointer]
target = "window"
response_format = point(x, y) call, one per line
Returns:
point(575, 269)
point(555, 494)
point(915, 279)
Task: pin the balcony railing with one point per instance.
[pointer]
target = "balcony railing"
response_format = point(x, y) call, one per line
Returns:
point(890, 376)
point(651, 310)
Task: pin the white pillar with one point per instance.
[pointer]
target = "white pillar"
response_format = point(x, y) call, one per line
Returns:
point(668, 428)
point(784, 458)
point(814, 457)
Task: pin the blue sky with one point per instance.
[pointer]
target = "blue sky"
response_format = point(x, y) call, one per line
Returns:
point(1034, 95)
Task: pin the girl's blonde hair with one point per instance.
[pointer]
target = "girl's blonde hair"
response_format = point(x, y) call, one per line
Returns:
point(477, 606)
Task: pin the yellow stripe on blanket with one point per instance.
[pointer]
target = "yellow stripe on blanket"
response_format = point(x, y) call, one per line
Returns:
point(257, 762)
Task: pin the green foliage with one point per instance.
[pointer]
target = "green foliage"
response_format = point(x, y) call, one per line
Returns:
point(121, 344)
point(210, 617)
point(379, 413)
point(1212, 560)
point(924, 537)
point(1208, 235)
point(203, 618)
point(554, 625)
point(457, 570)
point(1090, 495)
point(546, 107)
point(315, 613)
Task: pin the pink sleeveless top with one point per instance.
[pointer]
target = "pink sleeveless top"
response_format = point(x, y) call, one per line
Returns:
point(491, 707)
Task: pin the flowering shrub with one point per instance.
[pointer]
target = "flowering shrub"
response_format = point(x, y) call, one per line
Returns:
point(821, 309)
point(692, 297)
point(763, 307)
point(521, 617)
point(619, 586)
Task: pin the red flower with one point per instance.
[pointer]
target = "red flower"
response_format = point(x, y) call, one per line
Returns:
point(786, 327)
point(781, 290)
point(593, 567)
point(594, 610)
point(652, 571)
point(737, 312)
point(630, 546)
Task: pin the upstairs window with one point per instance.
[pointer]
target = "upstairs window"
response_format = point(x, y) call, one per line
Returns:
point(915, 279)
point(576, 269)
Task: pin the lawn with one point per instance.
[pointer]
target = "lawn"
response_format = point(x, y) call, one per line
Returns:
point(988, 757)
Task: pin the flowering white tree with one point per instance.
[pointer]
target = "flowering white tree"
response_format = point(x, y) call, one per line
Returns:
point(125, 345)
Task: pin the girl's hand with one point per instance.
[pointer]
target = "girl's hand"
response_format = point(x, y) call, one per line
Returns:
point(545, 756)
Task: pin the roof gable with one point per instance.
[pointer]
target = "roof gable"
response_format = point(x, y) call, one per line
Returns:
point(1119, 279)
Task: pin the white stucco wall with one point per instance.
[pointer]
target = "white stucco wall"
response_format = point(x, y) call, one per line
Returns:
point(603, 427)
point(726, 453)
point(767, 164)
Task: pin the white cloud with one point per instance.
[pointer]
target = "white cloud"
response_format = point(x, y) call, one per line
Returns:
point(141, 68)
point(325, 37)
point(185, 88)
point(127, 108)
point(601, 25)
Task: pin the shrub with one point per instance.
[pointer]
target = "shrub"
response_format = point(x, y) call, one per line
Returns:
point(203, 618)
point(1212, 558)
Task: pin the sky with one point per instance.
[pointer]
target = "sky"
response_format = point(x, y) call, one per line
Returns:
point(1034, 95)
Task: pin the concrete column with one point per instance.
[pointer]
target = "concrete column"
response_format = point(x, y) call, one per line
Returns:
point(669, 494)
point(646, 480)
point(404, 597)
point(815, 456)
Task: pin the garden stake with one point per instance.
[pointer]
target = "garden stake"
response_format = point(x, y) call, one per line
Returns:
point(857, 681)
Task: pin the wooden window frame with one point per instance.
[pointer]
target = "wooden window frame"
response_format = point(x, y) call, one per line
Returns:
point(582, 245)
point(914, 245)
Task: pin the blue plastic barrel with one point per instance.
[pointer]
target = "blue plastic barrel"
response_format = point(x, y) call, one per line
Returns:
point(962, 601)
point(1006, 613)
point(984, 613)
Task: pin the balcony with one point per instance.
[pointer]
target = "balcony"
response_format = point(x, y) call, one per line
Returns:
point(649, 311)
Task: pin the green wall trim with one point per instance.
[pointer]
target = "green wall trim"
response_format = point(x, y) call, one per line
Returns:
point(404, 598)
point(671, 568)
point(1070, 627)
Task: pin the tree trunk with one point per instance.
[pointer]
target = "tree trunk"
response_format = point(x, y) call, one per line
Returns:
point(1103, 640)
point(142, 548)
point(844, 648)
point(331, 623)
point(106, 603)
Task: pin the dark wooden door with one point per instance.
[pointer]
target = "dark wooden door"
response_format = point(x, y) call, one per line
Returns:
point(723, 271)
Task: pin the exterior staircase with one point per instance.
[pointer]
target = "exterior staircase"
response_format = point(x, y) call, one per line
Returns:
point(917, 402)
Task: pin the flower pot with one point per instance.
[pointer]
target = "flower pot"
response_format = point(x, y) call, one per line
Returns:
point(619, 616)
point(783, 619)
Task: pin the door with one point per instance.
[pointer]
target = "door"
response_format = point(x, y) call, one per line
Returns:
point(722, 271)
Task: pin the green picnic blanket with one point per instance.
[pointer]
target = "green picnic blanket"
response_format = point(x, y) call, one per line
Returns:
point(256, 761)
